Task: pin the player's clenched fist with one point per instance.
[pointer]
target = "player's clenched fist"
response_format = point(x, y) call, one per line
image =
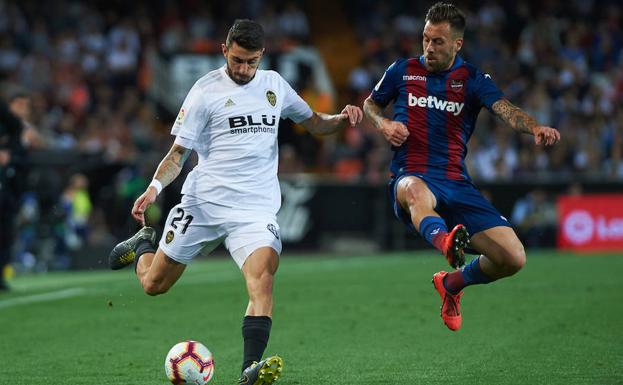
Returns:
point(395, 132)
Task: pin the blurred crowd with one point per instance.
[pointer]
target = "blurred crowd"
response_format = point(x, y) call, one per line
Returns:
point(77, 76)
point(86, 71)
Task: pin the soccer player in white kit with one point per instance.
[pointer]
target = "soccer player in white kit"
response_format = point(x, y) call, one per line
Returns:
point(230, 118)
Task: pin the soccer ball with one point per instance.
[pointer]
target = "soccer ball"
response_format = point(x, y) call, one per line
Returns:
point(189, 362)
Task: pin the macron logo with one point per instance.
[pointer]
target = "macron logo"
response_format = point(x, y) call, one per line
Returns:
point(432, 102)
point(414, 77)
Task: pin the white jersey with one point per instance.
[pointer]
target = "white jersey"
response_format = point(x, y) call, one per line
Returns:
point(233, 128)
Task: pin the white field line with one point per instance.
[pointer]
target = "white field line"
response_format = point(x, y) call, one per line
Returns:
point(46, 297)
point(203, 274)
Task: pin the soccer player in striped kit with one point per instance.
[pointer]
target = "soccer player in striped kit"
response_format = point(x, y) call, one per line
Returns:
point(437, 98)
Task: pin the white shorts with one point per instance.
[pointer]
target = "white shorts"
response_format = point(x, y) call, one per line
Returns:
point(194, 227)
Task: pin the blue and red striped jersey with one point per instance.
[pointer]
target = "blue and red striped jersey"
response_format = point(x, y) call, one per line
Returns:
point(440, 111)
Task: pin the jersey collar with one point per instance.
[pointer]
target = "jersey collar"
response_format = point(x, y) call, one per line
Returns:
point(226, 75)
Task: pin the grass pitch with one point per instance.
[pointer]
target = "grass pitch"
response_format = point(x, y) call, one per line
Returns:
point(356, 320)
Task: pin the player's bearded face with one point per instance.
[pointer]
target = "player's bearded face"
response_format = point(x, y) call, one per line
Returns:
point(439, 46)
point(241, 63)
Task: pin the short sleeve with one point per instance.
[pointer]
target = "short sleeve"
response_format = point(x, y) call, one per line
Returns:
point(386, 89)
point(485, 90)
point(294, 107)
point(193, 116)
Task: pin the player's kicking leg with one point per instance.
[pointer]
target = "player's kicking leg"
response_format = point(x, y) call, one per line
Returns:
point(124, 253)
point(503, 255)
point(154, 269)
point(259, 270)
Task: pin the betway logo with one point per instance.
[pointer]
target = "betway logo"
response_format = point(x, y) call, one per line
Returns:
point(432, 102)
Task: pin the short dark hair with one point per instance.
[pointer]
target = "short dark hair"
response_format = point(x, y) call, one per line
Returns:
point(17, 95)
point(246, 33)
point(444, 12)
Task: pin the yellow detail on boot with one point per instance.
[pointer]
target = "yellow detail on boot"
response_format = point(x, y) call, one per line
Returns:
point(128, 257)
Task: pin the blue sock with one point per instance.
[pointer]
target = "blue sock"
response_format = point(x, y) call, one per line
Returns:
point(433, 229)
point(473, 274)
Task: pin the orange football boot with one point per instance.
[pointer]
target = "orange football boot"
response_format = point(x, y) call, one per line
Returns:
point(451, 304)
point(454, 244)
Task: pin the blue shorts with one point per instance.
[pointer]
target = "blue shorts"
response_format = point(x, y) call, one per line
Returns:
point(457, 202)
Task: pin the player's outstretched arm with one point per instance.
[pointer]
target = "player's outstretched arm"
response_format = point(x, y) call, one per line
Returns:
point(519, 120)
point(168, 169)
point(395, 132)
point(324, 124)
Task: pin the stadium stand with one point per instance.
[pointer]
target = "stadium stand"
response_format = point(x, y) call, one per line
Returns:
point(91, 71)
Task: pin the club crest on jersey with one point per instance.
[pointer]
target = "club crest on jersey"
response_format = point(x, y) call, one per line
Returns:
point(180, 117)
point(271, 97)
point(273, 229)
point(456, 84)
point(169, 237)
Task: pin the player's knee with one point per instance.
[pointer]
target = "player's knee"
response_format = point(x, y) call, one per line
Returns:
point(417, 196)
point(414, 195)
point(515, 260)
point(154, 288)
point(260, 286)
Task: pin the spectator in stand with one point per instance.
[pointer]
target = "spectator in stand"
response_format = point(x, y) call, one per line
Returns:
point(76, 202)
point(11, 160)
point(535, 219)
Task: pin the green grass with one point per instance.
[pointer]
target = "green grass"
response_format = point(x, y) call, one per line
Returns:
point(365, 320)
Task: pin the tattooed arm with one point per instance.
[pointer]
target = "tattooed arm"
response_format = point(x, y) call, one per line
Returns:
point(395, 132)
point(168, 169)
point(520, 121)
point(172, 164)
